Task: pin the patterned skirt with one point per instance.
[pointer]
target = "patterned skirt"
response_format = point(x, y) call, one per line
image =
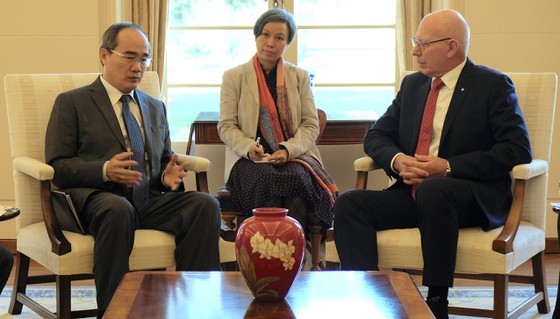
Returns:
point(254, 185)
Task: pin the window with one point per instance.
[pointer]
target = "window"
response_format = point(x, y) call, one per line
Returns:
point(347, 45)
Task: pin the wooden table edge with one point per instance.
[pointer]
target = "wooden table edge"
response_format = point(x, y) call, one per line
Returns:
point(413, 304)
point(402, 282)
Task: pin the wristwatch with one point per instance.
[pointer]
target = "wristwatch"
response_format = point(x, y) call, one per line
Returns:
point(448, 170)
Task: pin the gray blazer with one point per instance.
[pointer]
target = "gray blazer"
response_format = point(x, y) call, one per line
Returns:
point(83, 133)
point(239, 113)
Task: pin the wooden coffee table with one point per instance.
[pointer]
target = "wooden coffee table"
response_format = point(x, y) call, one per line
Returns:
point(326, 294)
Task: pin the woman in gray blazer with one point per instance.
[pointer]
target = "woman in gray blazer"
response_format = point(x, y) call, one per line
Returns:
point(268, 122)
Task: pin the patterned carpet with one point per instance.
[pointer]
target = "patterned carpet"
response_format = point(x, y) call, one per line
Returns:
point(483, 298)
point(84, 298)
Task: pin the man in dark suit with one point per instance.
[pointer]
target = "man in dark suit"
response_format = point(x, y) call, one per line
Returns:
point(476, 136)
point(6, 257)
point(6, 263)
point(556, 313)
point(90, 144)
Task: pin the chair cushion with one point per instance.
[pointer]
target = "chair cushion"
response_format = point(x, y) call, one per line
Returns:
point(152, 249)
point(227, 251)
point(400, 248)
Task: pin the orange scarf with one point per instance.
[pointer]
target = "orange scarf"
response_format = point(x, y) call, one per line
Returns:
point(275, 124)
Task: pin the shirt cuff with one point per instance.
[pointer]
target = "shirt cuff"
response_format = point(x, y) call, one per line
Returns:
point(105, 178)
point(393, 161)
point(162, 182)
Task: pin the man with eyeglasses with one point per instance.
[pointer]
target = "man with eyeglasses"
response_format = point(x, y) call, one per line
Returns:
point(109, 142)
point(450, 138)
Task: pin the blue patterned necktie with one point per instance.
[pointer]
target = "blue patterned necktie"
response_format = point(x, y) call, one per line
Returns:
point(140, 193)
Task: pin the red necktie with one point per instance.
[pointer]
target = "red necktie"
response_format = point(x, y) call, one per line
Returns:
point(425, 136)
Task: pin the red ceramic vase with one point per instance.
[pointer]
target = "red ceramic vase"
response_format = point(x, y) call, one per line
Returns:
point(269, 248)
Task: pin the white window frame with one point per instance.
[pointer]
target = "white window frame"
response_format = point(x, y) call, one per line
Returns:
point(290, 55)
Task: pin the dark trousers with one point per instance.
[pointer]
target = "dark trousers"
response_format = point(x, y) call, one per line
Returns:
point(442, 207)
point(6, 263)
point(193, 217)
point(556, 314)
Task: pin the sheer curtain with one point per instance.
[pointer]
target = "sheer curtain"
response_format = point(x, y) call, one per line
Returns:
point(409, 15)
point(151, 16)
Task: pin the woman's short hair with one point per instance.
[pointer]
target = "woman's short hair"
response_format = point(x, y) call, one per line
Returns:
point(276, 15)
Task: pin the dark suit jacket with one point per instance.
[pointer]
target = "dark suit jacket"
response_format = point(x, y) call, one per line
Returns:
point(484, 134)
point(83, 133)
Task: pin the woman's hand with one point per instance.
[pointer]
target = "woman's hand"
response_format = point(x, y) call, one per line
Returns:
point(256, 153)
point(280, 157)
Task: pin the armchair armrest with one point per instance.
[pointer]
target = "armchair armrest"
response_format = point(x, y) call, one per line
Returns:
point(527, 171)
point(196, 164)
point(521, 174)
point(44, 173)
point(34, 168)
point(363, 166)
point(200, 166)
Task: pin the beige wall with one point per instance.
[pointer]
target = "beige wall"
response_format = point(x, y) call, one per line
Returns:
point(38, 36)
point(54, 36)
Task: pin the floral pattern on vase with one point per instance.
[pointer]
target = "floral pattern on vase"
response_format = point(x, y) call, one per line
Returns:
point(269, 248)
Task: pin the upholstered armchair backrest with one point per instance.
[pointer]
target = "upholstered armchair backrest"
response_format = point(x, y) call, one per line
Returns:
point(29, 101)
point(537, 98)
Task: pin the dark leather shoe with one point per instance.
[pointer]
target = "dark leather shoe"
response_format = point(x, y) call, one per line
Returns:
point(438, 307)
point(9, 213)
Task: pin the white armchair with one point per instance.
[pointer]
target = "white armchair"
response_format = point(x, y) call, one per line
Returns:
point(69, 256)
point(494, 254)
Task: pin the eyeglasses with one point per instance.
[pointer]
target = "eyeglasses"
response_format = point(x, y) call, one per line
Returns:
point(422, 45)
point(144, 61)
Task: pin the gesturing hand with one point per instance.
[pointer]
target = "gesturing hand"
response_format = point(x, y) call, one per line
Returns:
point(118, 170)
point(174, 173)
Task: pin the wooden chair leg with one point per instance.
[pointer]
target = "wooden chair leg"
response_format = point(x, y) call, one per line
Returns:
point(539, 276)
point(501, 296)
point(316, 235)
point(20, 283)
point(63, 304)
point(228, 219)
point(229, 266)
point(228, 230)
